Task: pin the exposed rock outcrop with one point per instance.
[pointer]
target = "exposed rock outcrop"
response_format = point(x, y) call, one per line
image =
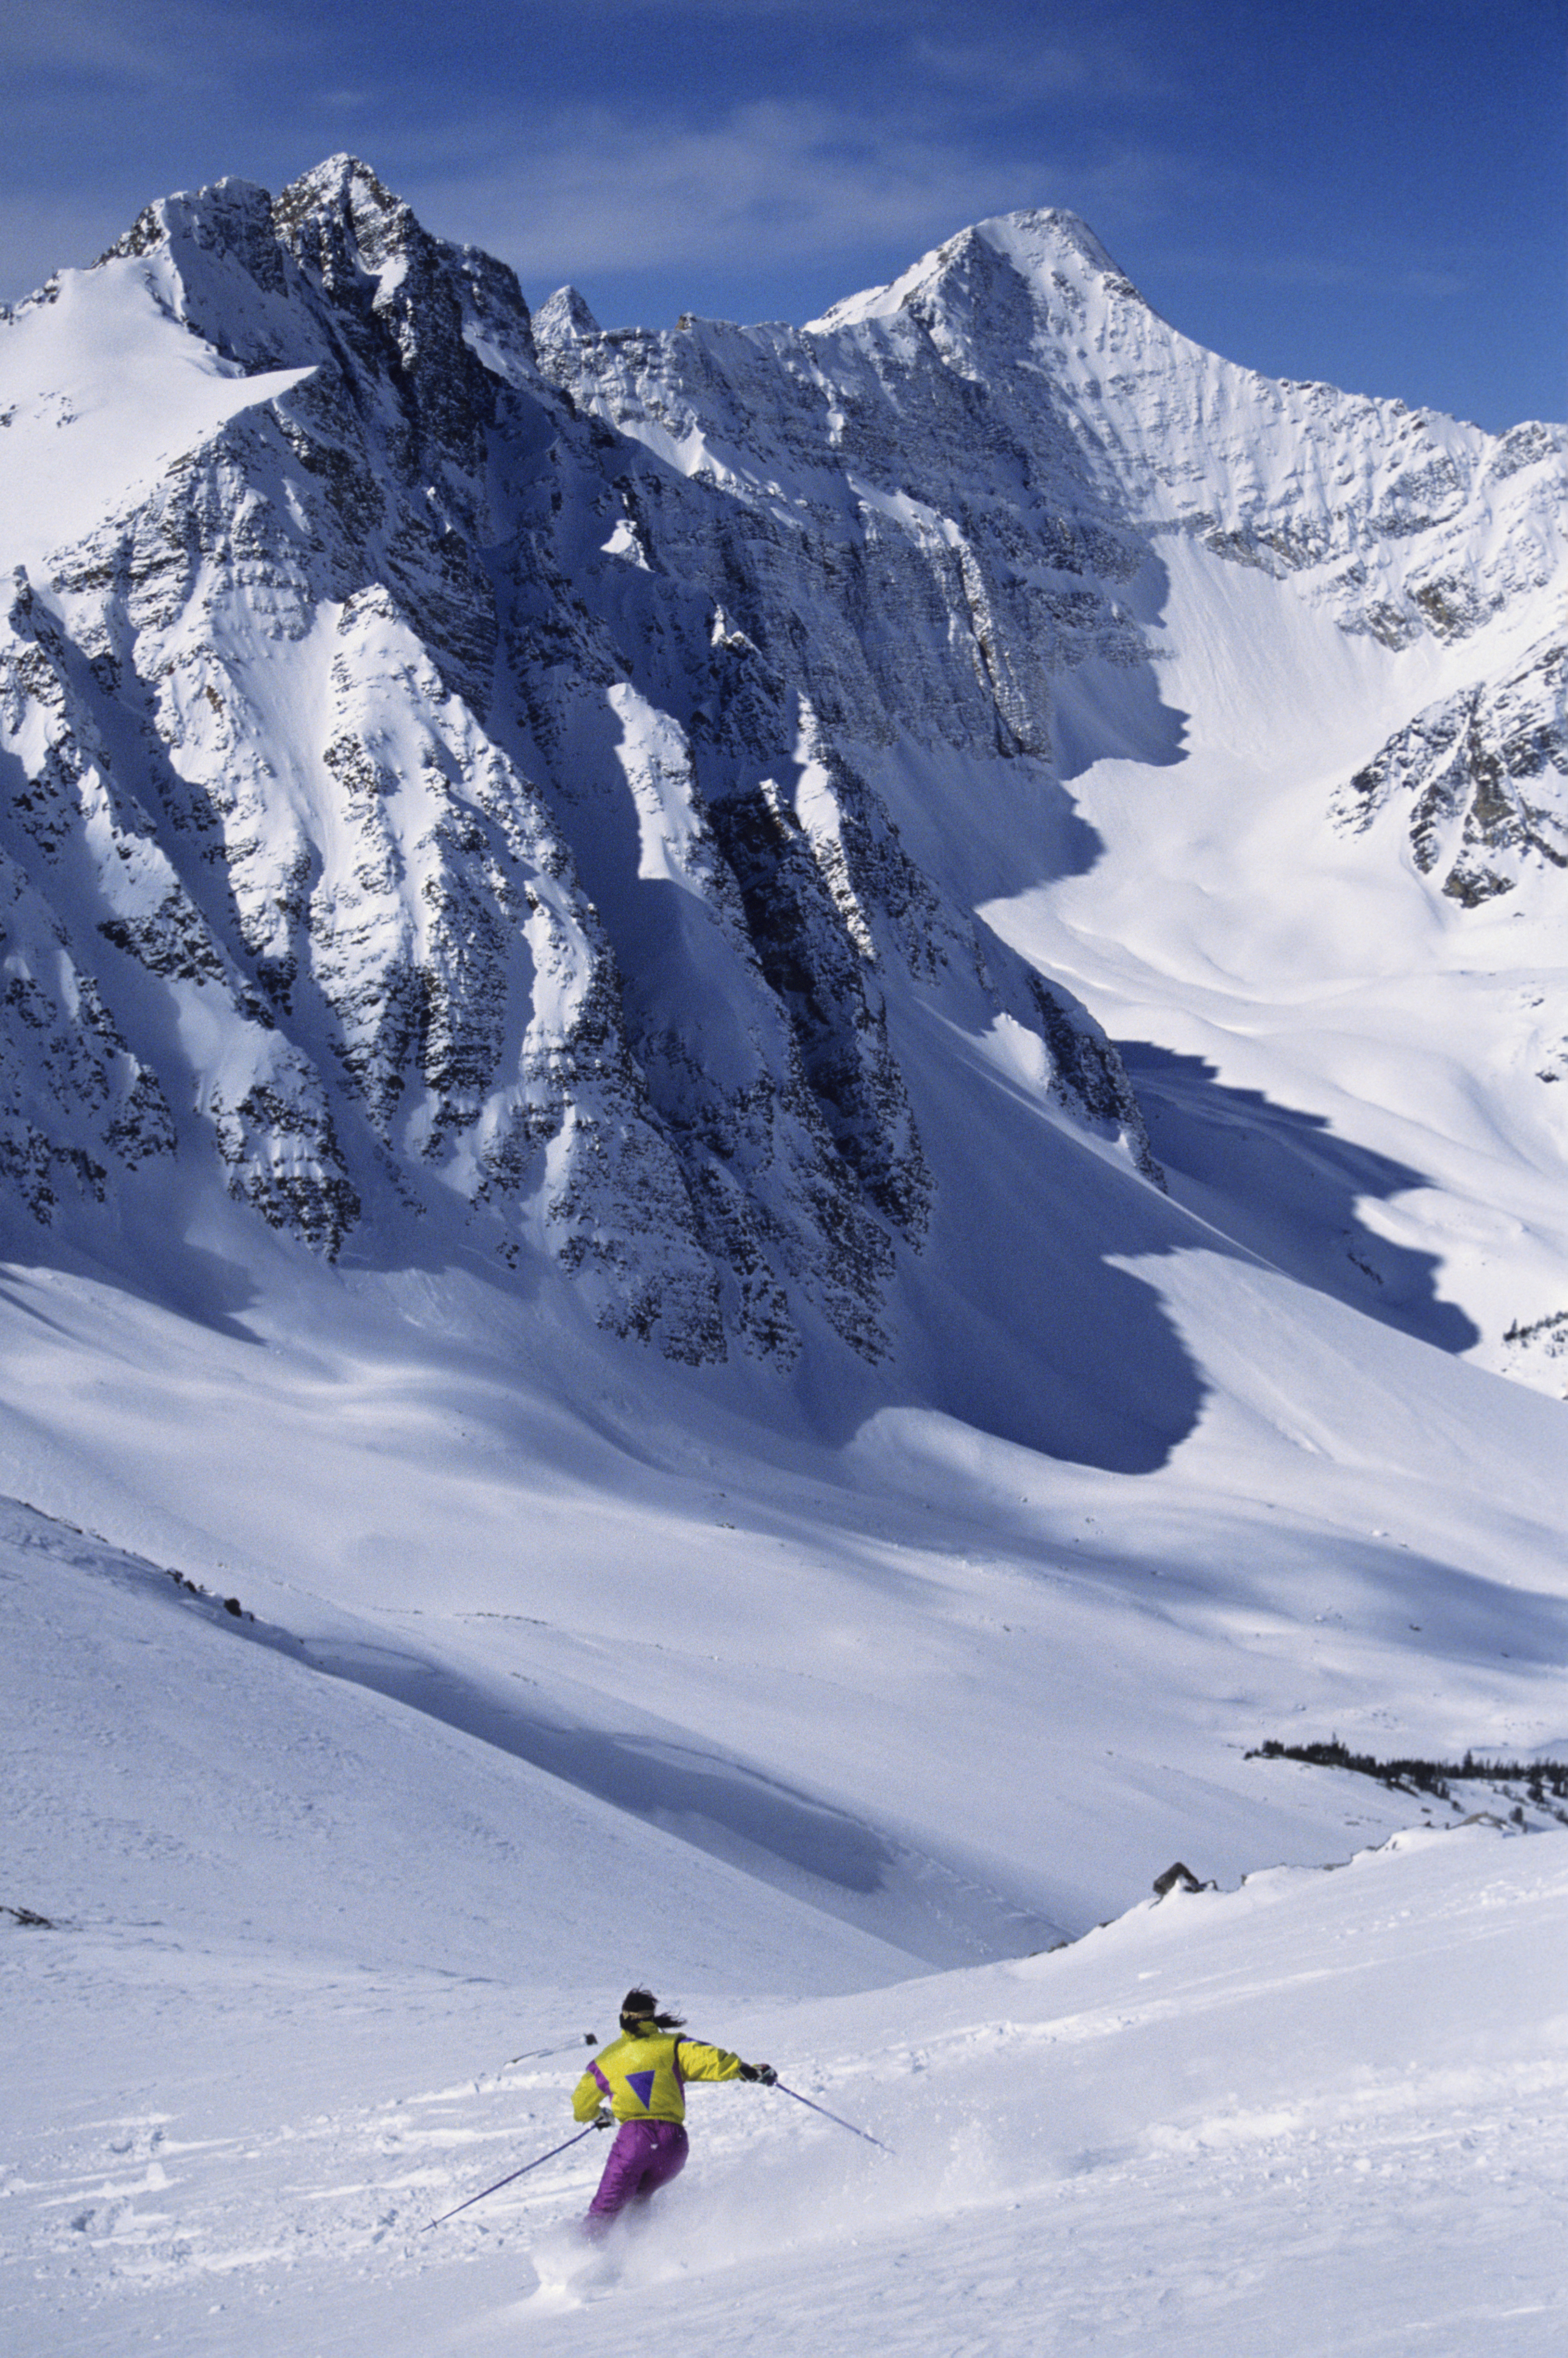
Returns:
point(453, 774)
point(1485, 775)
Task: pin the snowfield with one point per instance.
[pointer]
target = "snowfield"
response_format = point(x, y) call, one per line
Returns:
point(308, 1893)
point(779, 1131)
point(1322, 2111)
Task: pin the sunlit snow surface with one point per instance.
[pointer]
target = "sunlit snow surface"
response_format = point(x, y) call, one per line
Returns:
point(300, 1926)
point(820, 1701)
point(100, 391)
point(1324, 2111)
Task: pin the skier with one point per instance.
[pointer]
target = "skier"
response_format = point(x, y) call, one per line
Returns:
point(636, 2084)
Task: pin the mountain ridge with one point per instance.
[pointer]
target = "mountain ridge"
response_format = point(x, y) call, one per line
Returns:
point(554, 1153)
point(404, 664)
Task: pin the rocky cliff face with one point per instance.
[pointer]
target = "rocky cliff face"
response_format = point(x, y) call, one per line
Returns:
point(445, 754)
point(1485, 776)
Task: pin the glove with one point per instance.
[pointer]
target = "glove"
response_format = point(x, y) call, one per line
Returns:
point(603, 2119)
point(763, 2072)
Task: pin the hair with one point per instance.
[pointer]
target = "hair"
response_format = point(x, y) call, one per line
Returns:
point(642, 2005)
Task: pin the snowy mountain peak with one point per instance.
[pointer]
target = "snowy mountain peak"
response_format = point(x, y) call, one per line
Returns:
point(570, 773)
point(1047, 249)
point(598, 1352)
point(230, 216)
point(342, 225)
point(343, 194)
point(1041, 242)
point(565, 313)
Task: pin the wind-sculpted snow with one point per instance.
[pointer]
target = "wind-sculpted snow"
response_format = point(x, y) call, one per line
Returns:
point(469, 761)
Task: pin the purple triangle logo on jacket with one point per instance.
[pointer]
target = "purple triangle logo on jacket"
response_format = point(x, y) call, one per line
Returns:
point(641, 2086)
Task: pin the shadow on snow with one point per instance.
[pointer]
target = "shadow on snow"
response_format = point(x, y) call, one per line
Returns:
point(1281, 1183)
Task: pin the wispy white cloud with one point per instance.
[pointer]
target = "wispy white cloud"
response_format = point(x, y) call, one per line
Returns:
point(768, 183)
point(1435, 282)
point(143, 44)
point(1004, 71)
point(650, 183)
point(1326, 271)
point(346, 100)
point(84, 36)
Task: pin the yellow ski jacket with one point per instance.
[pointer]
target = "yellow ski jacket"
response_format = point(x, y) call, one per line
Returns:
point(642, 2076)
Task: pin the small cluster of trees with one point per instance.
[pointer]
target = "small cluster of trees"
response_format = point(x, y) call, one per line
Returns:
point(1539, 1777)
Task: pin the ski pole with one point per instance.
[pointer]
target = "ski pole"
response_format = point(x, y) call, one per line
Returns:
point(538, 2054)
point(507, 2182)
point(832, 2116)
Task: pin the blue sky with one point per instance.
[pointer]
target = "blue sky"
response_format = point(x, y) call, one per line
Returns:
point(1370, 191)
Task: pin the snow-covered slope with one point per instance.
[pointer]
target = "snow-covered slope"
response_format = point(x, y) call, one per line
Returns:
point(554, 1146)
point(541, 859)
point(274, 2040)
point(561, 791)
point(492, 878)
point(564, 847)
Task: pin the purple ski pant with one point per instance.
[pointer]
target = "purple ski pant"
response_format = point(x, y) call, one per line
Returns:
point(645, 2156)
